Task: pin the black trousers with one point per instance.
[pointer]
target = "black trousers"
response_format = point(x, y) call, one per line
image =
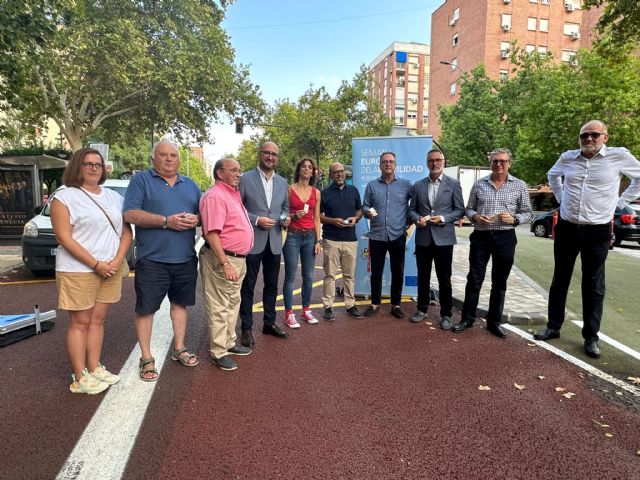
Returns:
point(500, 246)
point(270, 272)
point(377, 251)
point(592, 243)
point(441, 256)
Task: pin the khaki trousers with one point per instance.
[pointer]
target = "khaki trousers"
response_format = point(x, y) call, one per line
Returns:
point(343, 255)
point(221, 300)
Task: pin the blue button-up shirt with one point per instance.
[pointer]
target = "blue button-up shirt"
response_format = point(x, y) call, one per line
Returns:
point(391, 202)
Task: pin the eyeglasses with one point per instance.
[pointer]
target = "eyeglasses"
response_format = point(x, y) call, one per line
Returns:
point(594, 135)
point(387, 161)
point(500, 162)
point(91, 166)
point(269, 154)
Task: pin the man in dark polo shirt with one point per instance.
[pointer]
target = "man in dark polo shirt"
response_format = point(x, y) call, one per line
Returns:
point(163, 205)
point(340, 210)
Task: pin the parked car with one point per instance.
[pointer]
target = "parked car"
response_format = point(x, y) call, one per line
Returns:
point(39, 245)
point(626, 225)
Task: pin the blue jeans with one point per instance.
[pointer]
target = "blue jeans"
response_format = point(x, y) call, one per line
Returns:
point(303, 247)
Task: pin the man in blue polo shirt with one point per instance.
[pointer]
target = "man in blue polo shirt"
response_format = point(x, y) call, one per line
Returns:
point(340, 210)
point(163, 205)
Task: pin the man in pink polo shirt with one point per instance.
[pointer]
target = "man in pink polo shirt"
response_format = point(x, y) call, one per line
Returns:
point(229, 238)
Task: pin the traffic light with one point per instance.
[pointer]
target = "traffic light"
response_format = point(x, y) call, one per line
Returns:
point(239, 125)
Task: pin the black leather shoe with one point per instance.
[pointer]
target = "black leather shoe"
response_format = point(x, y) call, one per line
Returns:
point(274, 330)
point(328, 314)
point(371, 310)
point(397, 312)
point(246, 339)
point(462, 326)
point(547, 334)
point(592, 349)
point(496, 329)
point(354, 312)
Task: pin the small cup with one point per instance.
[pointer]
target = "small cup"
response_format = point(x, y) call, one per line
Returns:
point(306, 208)
point(373, 212)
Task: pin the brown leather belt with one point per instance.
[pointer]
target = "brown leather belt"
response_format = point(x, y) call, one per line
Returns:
point(302, 231)
point(227, 252)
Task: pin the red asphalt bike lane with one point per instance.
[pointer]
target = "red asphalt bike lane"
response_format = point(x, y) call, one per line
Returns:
point(371, 398)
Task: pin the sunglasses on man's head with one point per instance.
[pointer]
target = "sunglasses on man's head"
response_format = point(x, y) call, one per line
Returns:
point(594, 135)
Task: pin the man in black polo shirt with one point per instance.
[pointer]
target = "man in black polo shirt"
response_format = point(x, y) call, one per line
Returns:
point(340, 210)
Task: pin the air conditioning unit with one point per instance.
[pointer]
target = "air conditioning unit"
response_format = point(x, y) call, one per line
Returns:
point(569, 7)
point(506, 28)
point(575, 35)
point(574, 62)
point(506, 2)
point(504, 53)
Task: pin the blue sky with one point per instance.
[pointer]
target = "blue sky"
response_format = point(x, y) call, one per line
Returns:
point(290, 45)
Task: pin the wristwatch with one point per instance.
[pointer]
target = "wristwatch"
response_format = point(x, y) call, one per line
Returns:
point(516, 221)
point(164, 223)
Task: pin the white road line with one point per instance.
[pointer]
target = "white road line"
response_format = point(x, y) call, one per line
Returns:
point(614, 343)
point(106, 443)
point(104, 447)
point(576, 361)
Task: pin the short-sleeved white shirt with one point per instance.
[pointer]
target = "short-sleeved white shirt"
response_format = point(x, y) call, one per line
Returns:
point(90, 227)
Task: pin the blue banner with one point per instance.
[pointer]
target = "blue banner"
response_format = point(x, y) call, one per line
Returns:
point(411, 155)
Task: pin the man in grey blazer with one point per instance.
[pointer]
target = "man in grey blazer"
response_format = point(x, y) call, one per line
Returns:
point(265, 195)
point(436, 204)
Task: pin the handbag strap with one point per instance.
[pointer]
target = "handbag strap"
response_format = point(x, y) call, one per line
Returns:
point(101, 209)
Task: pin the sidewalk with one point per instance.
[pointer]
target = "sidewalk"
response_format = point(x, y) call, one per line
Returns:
point(525, 303)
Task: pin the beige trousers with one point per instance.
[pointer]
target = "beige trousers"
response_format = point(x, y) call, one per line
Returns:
point(221, 300)
point(343, 255)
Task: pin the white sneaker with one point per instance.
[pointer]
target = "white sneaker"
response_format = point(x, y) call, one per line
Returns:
point(105, 375)
point(308, 316)
point(87, 384)
point(290, 320)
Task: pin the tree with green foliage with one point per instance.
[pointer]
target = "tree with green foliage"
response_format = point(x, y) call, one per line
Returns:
point(190, 166)
point(127, 67)
point(619, 24)
point(321, 126)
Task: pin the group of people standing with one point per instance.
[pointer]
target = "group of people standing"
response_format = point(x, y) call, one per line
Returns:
point(243, 217)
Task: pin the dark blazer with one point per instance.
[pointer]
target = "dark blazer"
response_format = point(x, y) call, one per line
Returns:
point(255, 201)
point(448, 204)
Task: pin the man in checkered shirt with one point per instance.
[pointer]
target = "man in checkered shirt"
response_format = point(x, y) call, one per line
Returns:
point(497, 204)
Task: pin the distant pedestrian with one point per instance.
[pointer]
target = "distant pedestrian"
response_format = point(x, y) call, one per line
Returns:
point(436, 204)
point(94, 240)
point(163, 205)
point(340, 211)
point(586, 183)
point(303, 240)
point(386, 205)
point(497, 204)
point(229, 238)
point(265, 196)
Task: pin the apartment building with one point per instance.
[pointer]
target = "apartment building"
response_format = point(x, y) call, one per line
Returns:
point(465, 33)
point(400, 80)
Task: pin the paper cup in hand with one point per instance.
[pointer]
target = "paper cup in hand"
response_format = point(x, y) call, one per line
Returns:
point(372, 212)
point(306, 208)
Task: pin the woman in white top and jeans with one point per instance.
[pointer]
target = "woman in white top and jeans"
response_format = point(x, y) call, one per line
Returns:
point(93, 241)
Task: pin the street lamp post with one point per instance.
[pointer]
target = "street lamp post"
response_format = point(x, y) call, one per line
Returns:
point(455, 66)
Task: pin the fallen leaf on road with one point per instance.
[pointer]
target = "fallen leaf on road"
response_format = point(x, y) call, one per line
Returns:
point(531, 345)
point(560, 389)
point(484, 387)
point(519, 387)
point(541, 377)
point(429, 323)
point(635, 380)
point(455, 339)
point(432, 328)
point(608, 435)
point(603, 425)
point(568, 395)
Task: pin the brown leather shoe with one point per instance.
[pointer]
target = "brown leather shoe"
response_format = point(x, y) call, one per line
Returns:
point(246, 339)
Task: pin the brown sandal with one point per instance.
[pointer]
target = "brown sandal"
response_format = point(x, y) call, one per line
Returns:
point(143, 371)
point(184, 359)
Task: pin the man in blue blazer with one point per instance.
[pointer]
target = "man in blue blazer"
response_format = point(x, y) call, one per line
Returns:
point(436, 204)
point(265, 195)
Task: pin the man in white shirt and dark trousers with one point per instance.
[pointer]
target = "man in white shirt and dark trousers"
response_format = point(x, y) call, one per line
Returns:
point(588, 197)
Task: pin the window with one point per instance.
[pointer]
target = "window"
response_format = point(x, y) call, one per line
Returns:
point(506, 22)
point(399, 121)
point(412, 114)
point(544, 24)
point(505, 46)
point(542, 50)
point(452, 89)
point(532, 23)
point(533, 1)
point(571, 28)
point(530, 48)
point(413, 78)
point(544, 2)
point(412, 98)
point(456, 15)
point(425, 118)
point(456, 39)
point(504, 75)
point(568, 55)
point(454, 63)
